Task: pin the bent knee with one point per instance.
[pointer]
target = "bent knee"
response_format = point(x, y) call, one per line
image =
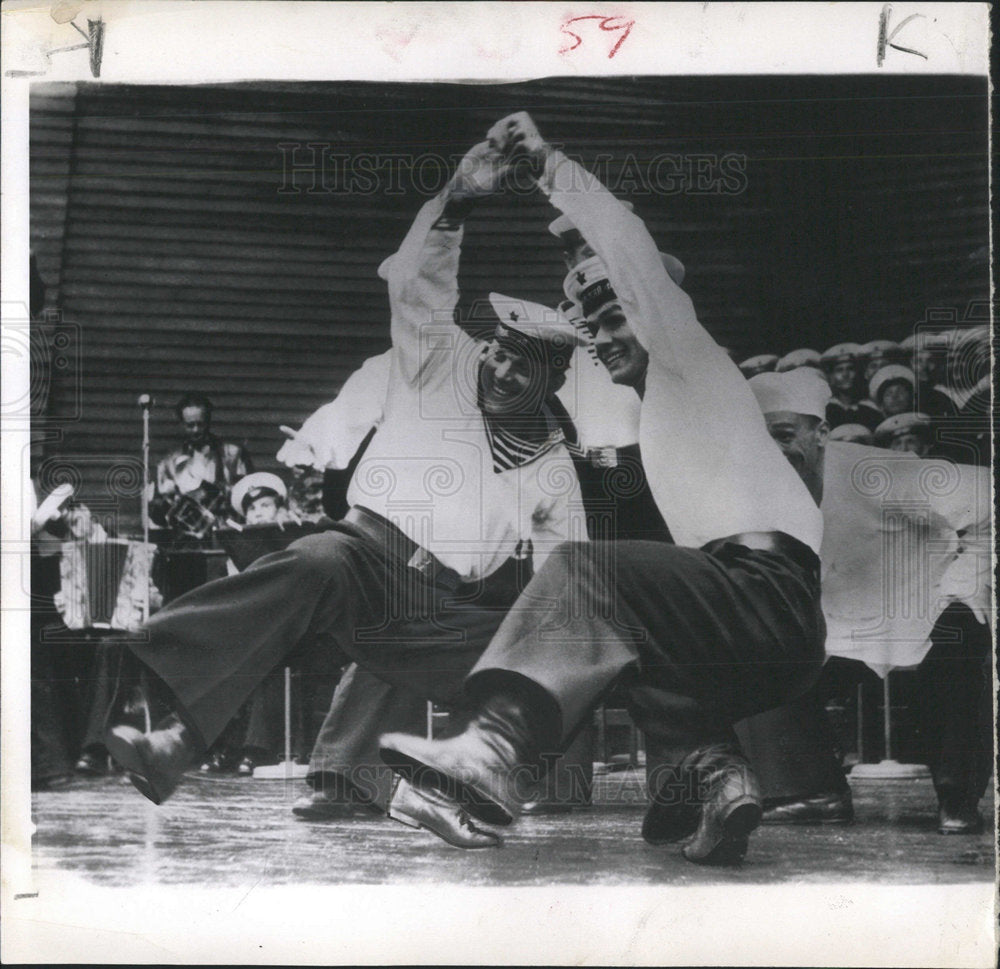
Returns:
point(322, 554)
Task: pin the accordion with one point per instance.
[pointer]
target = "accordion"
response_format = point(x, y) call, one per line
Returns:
point(104, 585)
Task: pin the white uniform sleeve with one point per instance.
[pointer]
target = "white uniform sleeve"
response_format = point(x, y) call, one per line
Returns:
point(698, 412)
point(963, 499)
point(330, 437)
point(423, 294)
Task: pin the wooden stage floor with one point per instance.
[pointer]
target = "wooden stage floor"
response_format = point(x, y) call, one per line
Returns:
point(227, 831)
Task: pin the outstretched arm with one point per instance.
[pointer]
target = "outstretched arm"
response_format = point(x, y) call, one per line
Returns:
point(423, 274)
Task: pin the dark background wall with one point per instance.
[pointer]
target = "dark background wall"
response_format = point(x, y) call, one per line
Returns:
point(181, 254)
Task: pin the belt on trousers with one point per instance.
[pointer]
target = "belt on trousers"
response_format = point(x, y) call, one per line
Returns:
point(398, 544)
point(800, 553)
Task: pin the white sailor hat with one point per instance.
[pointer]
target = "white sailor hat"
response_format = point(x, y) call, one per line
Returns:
point(253, 486)
point(852, 434)
point(800, 391)
point(762, 363)
point(535, 327)
point(588, 285)
point(838, 352)
point(894, 371)
point(898, 424)
point(798, 358)
point(884, 347)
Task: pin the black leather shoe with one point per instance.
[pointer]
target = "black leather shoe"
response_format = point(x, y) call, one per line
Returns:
point(675, 805)
point(155, 761)
point(434, 812)
point(964, 819)
point(713, 800)
point(731, 808)
point(832, 808)
point(478, 768)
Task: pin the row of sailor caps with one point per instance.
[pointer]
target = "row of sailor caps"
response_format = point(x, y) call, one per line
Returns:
point(806, 357)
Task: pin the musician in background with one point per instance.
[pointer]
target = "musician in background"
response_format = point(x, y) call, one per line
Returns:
point(194, 481)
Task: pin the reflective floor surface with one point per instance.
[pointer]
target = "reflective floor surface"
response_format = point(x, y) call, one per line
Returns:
point(228, 831)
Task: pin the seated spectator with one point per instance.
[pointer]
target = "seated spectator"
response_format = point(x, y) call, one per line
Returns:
point(840, 363)
point(799, 358)
point(930, 357)
point(762, 363)
point(892, 390)
point(852, 434)
point(905, 432)
point(261, 499)
point(878, 354)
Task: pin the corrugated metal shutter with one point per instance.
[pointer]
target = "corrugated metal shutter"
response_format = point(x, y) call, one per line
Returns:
point(191, 263)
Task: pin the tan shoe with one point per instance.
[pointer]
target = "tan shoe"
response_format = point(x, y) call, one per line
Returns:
point(481, 768)
point(434, 812)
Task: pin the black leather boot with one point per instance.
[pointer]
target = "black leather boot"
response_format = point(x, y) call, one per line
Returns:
point(155, 761)
point(483, 768)
point(711, 800)
point(731, 806)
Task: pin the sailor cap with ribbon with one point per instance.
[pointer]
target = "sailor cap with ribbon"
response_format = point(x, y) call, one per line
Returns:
point(534, 328)
point(587, 283)
point(253, 486)
point(839, 352)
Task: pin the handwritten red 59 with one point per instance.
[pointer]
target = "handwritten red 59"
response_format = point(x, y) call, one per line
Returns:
point(606, 23)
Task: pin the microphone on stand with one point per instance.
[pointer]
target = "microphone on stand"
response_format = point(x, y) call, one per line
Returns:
point(146, 401)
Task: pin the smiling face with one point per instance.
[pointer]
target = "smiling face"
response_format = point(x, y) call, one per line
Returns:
point(618, 347)
point(513, 382)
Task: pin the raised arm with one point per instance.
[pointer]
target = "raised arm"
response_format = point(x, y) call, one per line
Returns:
point(423, 274)
point(659, 311)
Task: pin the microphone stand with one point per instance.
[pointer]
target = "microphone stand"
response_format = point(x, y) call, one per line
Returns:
point(144, 402)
